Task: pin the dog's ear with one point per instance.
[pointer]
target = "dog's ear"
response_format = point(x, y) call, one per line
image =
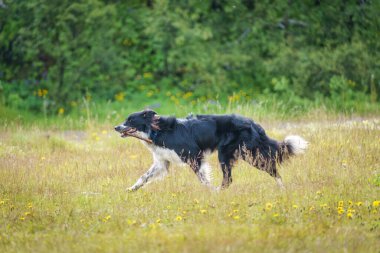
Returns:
point(153, 117)
point(148, 114)
point(155, 120)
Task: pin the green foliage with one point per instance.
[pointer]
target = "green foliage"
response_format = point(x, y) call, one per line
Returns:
point(298, 52)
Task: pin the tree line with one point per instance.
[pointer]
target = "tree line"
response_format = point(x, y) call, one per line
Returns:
point(209, 49)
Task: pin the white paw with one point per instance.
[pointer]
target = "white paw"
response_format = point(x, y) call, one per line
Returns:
point(132, 189)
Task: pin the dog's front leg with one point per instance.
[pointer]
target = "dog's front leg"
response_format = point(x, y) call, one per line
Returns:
point(204, 174)
point(203, 171)
point(157, 170)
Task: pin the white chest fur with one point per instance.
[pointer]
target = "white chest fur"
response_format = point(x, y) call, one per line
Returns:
point(162, 154)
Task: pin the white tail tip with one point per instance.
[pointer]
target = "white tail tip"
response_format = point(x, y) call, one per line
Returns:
point(296, 144)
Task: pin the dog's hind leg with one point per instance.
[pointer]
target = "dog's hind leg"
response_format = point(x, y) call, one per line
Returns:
point(159, 169)
point(265, 164)
point(226, 162)
point(272, 170)
point(279, 182)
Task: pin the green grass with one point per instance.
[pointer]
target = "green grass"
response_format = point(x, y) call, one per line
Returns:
point(87, 113)
point(64, 191)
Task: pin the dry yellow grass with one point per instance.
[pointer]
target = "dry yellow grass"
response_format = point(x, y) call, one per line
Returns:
point(65, 192)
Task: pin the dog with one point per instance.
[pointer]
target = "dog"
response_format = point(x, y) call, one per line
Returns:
point(187, 141)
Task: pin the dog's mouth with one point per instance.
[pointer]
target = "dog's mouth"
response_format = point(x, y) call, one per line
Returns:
point(128, 132)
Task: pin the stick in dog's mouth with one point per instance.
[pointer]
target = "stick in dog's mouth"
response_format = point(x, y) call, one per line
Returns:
point(128, 132)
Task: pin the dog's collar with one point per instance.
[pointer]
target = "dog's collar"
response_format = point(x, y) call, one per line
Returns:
point(153, 135)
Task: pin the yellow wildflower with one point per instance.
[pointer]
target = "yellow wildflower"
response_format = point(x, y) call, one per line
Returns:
point(42, 92)
point(203, 211)
point(340, 203)
point(236, 217)
point(158, 221)
point(105, 219)
point(295, 206)
point(178, 218)
point(359, 203)
point(276, 215)
point(376, 203)
point(119, 96)
point(131, 222)
point(268, 206)
point(196, 201)
point(149, 94)
point(147, 75)
point(61, 111)
point(187, 95)
point(349, 215)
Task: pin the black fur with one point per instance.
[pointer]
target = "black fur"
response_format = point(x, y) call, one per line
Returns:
point(232, 136)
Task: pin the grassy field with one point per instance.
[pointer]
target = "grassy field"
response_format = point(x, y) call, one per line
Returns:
point(64, 191)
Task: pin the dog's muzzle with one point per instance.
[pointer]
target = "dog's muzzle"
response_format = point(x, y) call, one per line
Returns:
point(125, 131)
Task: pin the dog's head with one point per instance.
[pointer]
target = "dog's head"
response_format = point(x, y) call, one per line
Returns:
point(139, 122)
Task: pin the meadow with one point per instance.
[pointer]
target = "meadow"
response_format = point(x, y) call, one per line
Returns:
point(72, 70)
point(64, 190)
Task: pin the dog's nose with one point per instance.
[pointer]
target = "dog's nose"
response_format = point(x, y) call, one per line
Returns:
point(117, 128)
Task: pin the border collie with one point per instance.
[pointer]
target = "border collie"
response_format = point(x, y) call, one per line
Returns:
point(187, 141)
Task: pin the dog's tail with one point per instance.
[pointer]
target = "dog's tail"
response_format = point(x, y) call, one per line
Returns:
point(292, 145)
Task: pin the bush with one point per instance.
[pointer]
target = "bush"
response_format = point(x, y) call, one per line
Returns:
point(115, 50)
